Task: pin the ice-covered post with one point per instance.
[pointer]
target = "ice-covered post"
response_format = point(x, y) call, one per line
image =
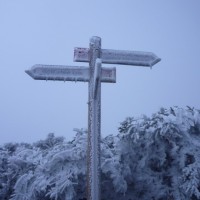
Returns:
point(94, 121)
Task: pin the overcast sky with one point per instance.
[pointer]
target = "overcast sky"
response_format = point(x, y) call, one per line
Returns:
point(46, 32)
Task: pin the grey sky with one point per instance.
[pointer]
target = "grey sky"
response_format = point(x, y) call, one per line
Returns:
point(46, 32)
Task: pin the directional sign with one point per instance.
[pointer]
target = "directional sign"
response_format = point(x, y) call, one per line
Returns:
point(69, 73)
point(94, 75)
point(109, 56)
point(58, 72)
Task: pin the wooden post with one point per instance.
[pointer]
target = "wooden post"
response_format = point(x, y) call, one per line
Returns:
point(94, 122)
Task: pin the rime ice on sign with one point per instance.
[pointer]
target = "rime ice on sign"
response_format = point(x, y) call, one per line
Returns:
point(137, 58)
point(59, 73)
point(94, 74)
point(69, 73)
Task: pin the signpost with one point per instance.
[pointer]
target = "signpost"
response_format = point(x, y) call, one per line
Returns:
point(94, 75)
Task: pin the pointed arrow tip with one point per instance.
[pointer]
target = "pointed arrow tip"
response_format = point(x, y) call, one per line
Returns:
point(155, 61)
point(158, 60)
point(29, 73)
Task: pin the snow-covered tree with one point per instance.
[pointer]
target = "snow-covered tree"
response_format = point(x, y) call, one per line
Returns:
point(151, 158)
point(163, 154)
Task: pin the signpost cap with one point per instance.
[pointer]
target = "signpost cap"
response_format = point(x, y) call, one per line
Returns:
point(95, 40)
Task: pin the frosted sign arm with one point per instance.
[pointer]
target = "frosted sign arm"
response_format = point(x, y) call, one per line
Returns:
point(109, 56)
point(69, 73)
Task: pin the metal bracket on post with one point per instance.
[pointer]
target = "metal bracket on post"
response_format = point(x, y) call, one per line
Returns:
point(97, 76)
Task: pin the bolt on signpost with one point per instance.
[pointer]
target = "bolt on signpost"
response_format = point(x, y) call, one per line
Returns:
point(94, 75)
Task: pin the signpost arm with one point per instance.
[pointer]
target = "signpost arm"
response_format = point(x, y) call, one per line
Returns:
point(94, 121)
